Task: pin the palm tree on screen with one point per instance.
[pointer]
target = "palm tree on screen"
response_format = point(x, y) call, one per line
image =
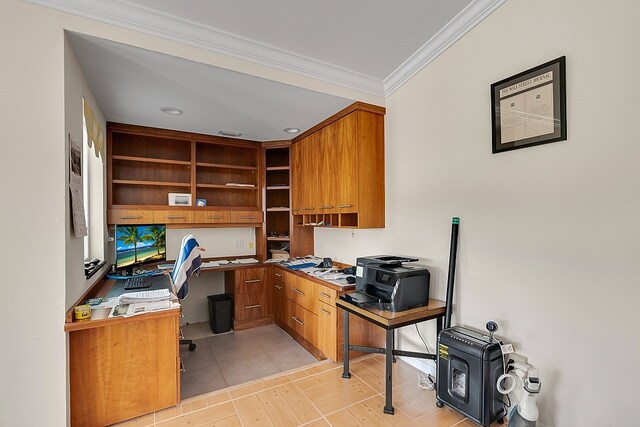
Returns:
point(132, 236)
point(157, 235)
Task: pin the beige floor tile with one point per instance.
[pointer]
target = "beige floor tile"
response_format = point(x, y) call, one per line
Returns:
point(299, 375)
point(167, 414)
point(322, 367)
point(318, 379)
point(321, 422)
point(373, 379)
point(296, 400)
point(143, 421)
point(343, 418)
point(368, 416)
point(278, 412)
point(413, 400)
point(251, 412)
point(259, 385)
point(339, 394)
point(440, 417)
point(193, 405)
point(398, 419)
point(217, 398)
point(212, 415)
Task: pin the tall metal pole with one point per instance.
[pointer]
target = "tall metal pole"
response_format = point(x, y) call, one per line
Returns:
point(452, 271)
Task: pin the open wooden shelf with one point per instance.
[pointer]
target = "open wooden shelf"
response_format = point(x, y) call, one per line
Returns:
point(155, 183)
point(152, 160)
point(225, 166)
point(279, 187)
point(226, 187)
point(279, 209)
point(278, 168)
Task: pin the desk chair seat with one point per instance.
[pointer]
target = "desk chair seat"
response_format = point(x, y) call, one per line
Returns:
point(187, 263)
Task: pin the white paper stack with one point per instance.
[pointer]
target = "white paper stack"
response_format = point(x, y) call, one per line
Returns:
point(145, 296)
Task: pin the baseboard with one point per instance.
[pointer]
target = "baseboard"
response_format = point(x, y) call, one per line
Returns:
point(423, 365)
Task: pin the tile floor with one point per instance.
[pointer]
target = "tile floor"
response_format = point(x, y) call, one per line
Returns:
point(315, 395)
point(237, 357)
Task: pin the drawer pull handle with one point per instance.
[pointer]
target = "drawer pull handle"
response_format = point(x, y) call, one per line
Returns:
point(297, 320)
point(326, 207)
point(345, 206)
point(247, 217)
point(297, 291)
point(252, 281)
point(174, 216)
point(308, 209)
point(325, 311)
point(214, 217)
point(278, 275)
point(278, 287)
point(252, 306)
point(131, 217)
point(325, 295)
point(295, 209)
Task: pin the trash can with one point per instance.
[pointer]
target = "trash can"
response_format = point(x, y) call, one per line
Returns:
point(220, 313)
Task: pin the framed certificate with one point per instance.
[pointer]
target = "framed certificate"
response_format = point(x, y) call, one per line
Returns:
point(530, 108)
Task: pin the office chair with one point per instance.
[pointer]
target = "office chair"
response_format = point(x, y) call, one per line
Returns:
point(188, 262)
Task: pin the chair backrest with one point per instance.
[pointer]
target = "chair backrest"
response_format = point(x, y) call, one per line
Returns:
point(187, 263)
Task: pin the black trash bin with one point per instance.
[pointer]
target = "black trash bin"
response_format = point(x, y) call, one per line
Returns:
point(220, 313)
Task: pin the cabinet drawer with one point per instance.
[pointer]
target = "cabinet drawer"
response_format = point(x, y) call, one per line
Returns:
point(303, 322)
point(326, 295)
point(246, 216)
point(302, 292)
point(251, 280)
point(278, 276)
point(252, 306)
point(128, 216)
point(211, 217)
point(172, 217)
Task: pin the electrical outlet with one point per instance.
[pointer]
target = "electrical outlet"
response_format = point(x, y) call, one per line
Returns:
point(239, 244)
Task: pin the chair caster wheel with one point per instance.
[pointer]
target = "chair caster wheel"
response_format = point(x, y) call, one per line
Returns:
point(192, 347)
point(439, 404)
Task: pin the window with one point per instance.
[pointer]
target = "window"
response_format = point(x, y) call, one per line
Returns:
point(93, 185)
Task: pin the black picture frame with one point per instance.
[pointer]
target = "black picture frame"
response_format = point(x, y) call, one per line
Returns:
point(530, 108)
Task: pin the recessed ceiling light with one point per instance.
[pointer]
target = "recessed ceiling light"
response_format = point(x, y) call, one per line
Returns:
point(229, 133)
point(291, 130)
point(172, 111)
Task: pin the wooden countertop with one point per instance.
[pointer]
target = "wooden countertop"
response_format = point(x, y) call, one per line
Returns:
point(392, 320)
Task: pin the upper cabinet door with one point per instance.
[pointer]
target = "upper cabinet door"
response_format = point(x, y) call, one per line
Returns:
point(310, 176)
point(297, 185)
point(346, 174)
point(327, 182)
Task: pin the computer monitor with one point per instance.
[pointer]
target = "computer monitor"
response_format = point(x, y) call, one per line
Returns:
point(139, 244)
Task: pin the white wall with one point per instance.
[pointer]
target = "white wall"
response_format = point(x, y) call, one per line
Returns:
point(32, 185)
point(549, 235)
point(33, 181)
point(75, 88)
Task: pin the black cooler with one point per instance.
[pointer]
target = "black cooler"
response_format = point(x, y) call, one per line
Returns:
point(469, 364)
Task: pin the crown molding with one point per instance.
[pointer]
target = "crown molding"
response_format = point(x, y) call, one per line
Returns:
point(463, 22)
point(124, 14)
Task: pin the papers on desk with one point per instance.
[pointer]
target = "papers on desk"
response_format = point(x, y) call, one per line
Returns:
point(329, 274)
point(210, 264)
point(128, 310)
point(145, 296)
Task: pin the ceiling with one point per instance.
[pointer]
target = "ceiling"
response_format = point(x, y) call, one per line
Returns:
point(372, 46)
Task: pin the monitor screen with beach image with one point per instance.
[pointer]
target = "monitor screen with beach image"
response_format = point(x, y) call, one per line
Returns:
point(139, 244)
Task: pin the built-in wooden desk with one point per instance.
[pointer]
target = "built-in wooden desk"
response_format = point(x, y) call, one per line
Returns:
point(389, 321)
point(121, 368)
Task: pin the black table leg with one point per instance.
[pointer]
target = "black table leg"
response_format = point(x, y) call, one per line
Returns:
point(345, 371)
point(388, 407)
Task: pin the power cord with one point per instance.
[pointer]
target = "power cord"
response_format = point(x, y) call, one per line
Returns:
point(425, 381)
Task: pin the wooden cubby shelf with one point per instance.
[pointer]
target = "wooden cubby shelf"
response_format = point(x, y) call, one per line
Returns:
point(226, 187)
point(156, 183)
point(151, 160)
point(224, 166)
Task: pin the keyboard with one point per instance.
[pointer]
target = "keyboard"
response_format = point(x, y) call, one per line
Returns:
point(139, 282)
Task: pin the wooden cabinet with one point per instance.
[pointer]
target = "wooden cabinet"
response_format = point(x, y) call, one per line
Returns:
point(252, 295)
point(328, 330)
point(146, 164)
point(310, 316)
point(123, 368)
point(279, 296)
point(338, 171)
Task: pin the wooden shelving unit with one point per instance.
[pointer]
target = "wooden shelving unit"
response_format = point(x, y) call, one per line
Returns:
point(146, 164)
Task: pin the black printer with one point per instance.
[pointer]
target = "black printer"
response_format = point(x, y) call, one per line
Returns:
point(389, 285)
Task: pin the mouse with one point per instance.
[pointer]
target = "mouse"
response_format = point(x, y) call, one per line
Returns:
point(351, 279)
